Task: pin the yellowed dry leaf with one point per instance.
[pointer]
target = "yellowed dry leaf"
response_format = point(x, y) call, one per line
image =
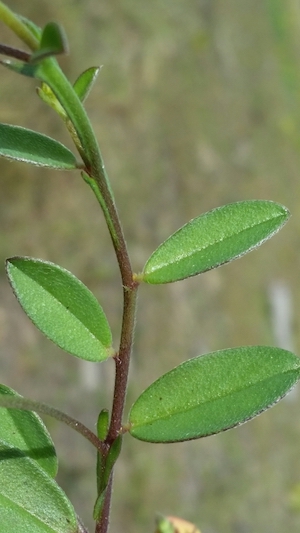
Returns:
point(182, 526)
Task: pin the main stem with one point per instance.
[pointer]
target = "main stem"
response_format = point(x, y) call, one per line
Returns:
point(122, 361)
point(49, 72)
point(98, 180)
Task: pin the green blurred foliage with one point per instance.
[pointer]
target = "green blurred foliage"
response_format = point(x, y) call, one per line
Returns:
point(197, 105)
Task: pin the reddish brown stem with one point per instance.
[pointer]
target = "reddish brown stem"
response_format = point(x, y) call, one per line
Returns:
point(14, 52)
point(122, 359)
point(102, 525)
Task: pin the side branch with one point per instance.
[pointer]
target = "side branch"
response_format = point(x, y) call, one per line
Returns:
point(18, 402)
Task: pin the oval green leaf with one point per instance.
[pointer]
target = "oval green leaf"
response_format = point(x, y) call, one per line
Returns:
point(53, 42)
point(213, 239)
point(212, 393)
point(27, 432)
point(30, 500)
point(85, 82)
point(29, 146)
point(62, 307)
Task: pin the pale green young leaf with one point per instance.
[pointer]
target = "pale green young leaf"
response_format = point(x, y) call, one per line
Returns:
point(213, 239)
point(103, 424)
point(62, 307)
point(30, 500)
point(26, 431)
point(29, 146)
point(212, 393)
point(47, 95)
point(85, 82)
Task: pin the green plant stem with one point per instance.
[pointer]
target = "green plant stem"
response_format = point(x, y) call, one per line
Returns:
point(15, 23)
point(96, 177)
point(18, 402)
point(49, 72)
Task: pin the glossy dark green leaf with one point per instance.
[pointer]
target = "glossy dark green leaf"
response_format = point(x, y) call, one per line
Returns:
point(61, 307)
point(29, 146)
point(212, 393)
point(213, 239)
point(53, 42)
point(85, 82)
point(27, 432)
point(30, 500)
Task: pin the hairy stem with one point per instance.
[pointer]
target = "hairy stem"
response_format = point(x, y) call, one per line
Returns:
point(51, 74)
point(95, 175)
point(122, 361)
point(103, 524)
point(18, 402)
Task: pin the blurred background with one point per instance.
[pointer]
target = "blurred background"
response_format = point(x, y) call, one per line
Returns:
point(197, 105)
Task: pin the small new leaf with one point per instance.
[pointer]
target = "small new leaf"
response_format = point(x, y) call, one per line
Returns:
point(48, 96)
point(212, 393)
point(85, 82)
point(62, 307)
point(29, 146)
point(213, 239)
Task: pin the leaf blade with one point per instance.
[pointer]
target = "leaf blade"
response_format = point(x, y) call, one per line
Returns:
point(53, 42)
point(30, 500)
point(62, 307)
point(212, 239)
point(85, 82)
point(27, 432)
point(22, 144)
point(212, 393)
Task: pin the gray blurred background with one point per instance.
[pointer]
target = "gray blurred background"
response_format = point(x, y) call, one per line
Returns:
point(197, 105)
